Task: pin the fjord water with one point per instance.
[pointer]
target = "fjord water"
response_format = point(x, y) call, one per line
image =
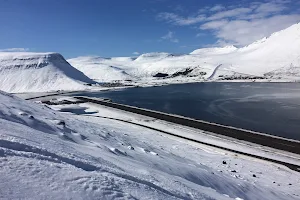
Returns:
point(272, 108)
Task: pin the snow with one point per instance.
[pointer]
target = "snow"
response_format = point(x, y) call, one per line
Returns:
point(38, 72)
point(216, 50)
point(106, 67)
point(46, 154)
point(279, 51)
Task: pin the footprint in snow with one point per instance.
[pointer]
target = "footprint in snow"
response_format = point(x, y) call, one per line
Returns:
point(147, 151)
point(26, 114)
point(153, 153)
point(130, 147)
point(117, 151)
point(23, 113)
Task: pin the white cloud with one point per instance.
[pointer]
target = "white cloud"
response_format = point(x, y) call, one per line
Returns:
point(270, 7)
point(244, 32)
point(14, 50)
point(230, 13)
point(170, 37)
point(204, 9)
point(217, 8)
point(214, 24)
point(241, 24)
point(178, 20)
point(136, 53)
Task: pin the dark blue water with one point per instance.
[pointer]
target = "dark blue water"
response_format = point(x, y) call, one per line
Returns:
point(272, 108)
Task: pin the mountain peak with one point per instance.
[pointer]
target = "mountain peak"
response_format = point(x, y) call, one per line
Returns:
point(38, 72)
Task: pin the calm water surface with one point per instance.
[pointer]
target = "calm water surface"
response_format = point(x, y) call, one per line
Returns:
point(272, 108)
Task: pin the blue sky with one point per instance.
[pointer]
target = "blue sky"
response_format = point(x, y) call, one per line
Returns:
point(130, 27)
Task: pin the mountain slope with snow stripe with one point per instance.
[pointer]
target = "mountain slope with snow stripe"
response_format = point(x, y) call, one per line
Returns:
point(280, 50)
point(39, 72)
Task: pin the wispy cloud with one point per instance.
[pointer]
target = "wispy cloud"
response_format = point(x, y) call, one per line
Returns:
point(178, 20)
point(200, 34)
point(177, 8)
point(170, 37)
point(240, 24)
point(136, 53)
point(229, 13)
point(14, 50)
point(217, 8)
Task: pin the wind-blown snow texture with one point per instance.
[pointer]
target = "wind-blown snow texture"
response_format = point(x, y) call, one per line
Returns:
point(38, 72)
point(49, 155)
point(277, 52)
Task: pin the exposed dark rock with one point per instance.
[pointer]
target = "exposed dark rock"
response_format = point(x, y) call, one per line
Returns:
point(116, 84)
point(61, 122)
point(254, 175)
point(241, 77)
point(203, 73)
point(160, 75)
point(224, 162)
point(63, 102)
point(182, 73)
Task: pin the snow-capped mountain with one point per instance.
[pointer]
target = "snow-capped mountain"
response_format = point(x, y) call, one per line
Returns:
point(280, 50)
point(272, 58)
point(39, 72)
point(102, 69)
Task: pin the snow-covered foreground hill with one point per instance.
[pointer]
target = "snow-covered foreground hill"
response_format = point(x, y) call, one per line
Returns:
point(45, 154)
point(278, 52)
point(39, 72)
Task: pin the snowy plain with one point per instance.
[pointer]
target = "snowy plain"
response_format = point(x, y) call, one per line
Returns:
point(47, 154)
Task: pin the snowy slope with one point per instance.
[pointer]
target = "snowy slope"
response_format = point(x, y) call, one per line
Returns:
point(291, 72)
point(214, 51)
point(144, 66)
point(280, 50)
point(49, 155)
point(38, 72)
point(101, 69)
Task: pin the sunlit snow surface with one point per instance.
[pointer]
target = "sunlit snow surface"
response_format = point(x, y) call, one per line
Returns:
point(39, 72)
point(45, 154)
